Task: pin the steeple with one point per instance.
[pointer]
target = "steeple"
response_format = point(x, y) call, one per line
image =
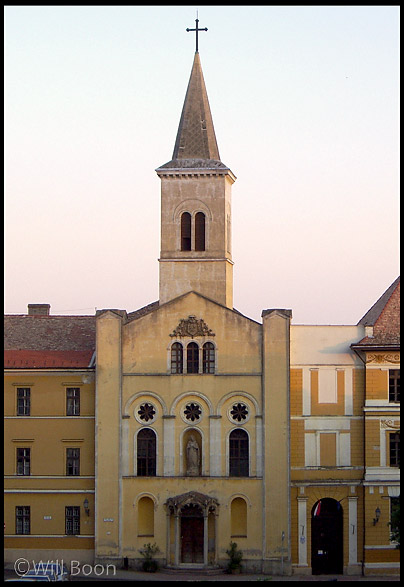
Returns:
point(195, 145)
point(195, 253)
point(196, 137)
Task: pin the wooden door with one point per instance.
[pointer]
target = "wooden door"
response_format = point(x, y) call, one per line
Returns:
point(192, 540)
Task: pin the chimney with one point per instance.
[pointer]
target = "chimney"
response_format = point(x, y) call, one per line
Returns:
point(38, 309)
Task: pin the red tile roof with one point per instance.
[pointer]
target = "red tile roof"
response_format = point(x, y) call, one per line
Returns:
point(384, 316)
point(28, 359)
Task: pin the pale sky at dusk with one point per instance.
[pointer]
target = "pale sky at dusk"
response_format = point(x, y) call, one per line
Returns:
point(305, 107)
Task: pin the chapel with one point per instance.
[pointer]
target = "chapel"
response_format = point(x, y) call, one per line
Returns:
point(186, 427)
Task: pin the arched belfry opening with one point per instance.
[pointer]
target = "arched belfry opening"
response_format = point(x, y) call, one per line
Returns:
point(192, 520)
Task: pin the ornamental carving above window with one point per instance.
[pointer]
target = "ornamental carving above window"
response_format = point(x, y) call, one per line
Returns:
point(192, 326)
point(192, 412)
point(239, 412)
point(146, 412)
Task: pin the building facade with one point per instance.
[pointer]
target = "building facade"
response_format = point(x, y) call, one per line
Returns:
point(190, 426)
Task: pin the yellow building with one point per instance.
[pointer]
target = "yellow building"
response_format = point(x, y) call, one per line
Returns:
point(49, 436)
point(198, 426)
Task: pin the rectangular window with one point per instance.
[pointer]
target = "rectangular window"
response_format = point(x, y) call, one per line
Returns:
point(23, 519)
point(23, 401)
point(72, 520)
point(394, 442)
point(394, 385)
point(73, 401)
point(23, 461)
point(72, 461)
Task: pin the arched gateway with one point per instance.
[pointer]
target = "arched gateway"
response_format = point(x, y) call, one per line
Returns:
point(192, 530)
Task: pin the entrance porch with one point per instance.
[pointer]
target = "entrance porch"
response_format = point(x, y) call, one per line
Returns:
point(192, 520)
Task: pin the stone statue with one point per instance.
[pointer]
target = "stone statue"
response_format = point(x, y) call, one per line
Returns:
point(192, 457)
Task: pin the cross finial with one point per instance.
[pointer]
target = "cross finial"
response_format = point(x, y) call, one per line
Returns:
point(197, 29)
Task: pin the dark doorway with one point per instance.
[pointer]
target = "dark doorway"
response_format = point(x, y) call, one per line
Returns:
point(326, 537)
point(191, 535)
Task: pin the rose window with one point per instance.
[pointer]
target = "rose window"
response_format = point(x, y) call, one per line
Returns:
point(239, 412)
point(146, 412)
point(192, 412)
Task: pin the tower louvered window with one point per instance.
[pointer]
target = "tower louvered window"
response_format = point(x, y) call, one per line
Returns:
point(186, 231)
point(200, 231)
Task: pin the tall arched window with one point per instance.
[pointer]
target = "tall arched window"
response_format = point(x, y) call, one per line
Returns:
point(186, 231)
point(200, 231)
point(146, 453)
point(176, 358)
point(192, 358)
point(238, 454)
point(208, 357)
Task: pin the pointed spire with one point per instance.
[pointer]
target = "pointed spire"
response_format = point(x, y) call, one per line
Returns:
point(196, 137)
point(196, 145)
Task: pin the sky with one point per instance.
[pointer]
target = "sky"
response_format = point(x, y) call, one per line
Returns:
point(304, 102)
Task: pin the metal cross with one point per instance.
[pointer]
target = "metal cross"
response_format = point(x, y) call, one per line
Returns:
point(196, 30)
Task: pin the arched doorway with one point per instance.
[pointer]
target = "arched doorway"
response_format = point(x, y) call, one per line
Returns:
point(326, 537)
point(192, 530)
point(192, 534)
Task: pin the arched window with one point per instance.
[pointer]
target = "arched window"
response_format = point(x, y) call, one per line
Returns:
point(238, 518)
point(192, 358)
point(238, 454)
point(186, 231)
point(208, 357)
point(176, 358)
point(200, 231)
point(145, 513)
point(146, 453)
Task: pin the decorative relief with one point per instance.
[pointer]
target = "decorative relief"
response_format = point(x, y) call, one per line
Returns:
point(390, 424)
point(192, 326)
point(383, 358)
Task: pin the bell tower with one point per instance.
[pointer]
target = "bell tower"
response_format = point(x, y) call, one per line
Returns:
point(195, 252)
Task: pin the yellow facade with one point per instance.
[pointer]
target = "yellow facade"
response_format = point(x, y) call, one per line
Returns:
point(197, 426)
point(48, 432)
point(236, 380)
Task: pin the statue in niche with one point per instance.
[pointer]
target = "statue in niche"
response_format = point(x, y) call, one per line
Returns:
point(193, 457)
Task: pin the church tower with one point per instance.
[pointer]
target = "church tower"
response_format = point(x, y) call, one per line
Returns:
point(196, 206)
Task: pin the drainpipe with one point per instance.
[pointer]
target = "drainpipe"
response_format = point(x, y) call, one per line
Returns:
point(364, 465)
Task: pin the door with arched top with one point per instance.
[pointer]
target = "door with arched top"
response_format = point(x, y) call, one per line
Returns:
point(326, 537)
point(191, 534)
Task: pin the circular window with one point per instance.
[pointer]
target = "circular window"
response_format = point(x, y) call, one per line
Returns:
point(192, 412)
point(145, 413)
point(239, 413)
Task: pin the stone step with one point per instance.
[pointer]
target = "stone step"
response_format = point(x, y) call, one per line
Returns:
point(193, 569)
